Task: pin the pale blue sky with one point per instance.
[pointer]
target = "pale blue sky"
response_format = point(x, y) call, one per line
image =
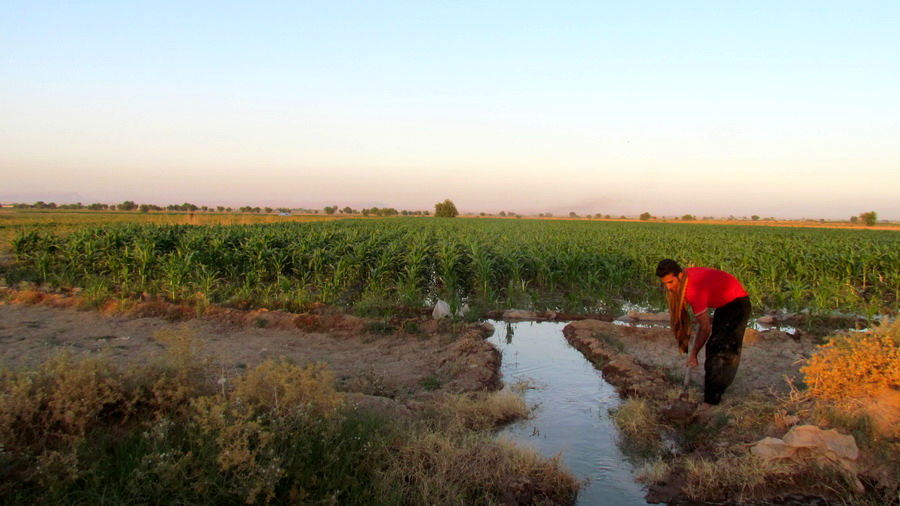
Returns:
point(773, 108)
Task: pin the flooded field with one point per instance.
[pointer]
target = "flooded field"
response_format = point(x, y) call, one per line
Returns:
point(571, 416)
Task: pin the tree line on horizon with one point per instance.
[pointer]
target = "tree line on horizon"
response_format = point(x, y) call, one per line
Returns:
point(442, 209)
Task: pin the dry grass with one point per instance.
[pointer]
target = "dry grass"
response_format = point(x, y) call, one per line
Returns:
point(752, 415)
point(435, 469)
point(743, 477)
point(731, 477)
point(639, 426)
point(476, 410)
point(653, 471)
point(453, 456)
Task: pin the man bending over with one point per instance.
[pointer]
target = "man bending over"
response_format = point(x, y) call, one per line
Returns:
point(703, 288)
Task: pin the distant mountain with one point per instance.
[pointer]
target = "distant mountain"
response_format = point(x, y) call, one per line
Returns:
point(296, 204)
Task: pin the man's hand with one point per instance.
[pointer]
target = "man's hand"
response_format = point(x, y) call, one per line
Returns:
point(692, 360)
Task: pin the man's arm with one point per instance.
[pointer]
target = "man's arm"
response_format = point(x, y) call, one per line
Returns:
point(703, 332)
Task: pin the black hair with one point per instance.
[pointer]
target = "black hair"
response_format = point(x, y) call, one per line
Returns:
point(667, 266)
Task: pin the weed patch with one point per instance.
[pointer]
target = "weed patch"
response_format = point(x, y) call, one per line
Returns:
point(430, 383)
point(85, 432)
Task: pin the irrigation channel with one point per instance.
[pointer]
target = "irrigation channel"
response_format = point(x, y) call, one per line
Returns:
point(572, 409)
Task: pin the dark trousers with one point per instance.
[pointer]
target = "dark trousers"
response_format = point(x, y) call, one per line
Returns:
point(723, 348)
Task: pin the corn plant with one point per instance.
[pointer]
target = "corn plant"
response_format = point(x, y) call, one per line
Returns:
point(497, 263)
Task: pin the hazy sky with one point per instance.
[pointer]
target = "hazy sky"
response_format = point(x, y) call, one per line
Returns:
point(773, 108)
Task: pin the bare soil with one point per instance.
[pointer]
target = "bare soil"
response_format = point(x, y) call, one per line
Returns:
point(769, 360)
point(396, 365)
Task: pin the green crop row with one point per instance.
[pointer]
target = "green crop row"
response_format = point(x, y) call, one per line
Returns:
point(376, 265)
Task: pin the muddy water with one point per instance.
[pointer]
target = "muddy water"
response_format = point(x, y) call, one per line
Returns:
point(572, 414)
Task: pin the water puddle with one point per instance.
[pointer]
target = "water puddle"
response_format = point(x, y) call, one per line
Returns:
point(572, 414)
point(763, 327)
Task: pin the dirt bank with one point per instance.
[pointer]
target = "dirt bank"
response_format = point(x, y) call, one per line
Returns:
point(769, 360)
point(367, 356)
point(684, 455)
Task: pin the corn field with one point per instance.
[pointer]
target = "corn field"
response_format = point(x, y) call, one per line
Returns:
point(377, 265)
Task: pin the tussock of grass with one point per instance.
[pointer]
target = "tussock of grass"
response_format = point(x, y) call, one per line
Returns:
point(731, 476)
point(435, 469)
point(653, 471)
point(639, 427)
point(476, 410)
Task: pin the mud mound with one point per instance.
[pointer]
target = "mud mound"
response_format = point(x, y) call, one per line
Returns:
point(596, 340)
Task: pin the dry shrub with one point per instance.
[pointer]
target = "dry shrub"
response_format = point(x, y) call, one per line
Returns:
point(244, 445)
point(46, 413)
point(278, 435)
point(283, 387)
point(111, 307)
point(433, 468)
point(245, 422)
point(859, 373)
point(160, 308)
point(181, 374)
point(54, 467)
point(62, 301)
point(28, 296)
point(854, 364)
point(57, 403)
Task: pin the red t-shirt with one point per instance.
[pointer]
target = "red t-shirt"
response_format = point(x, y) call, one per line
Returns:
point(711, 288)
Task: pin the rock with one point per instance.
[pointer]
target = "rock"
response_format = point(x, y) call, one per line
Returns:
point(519, 314)
point(751, 337)
point(441, 310)
point(766, 320)
point(809, 443)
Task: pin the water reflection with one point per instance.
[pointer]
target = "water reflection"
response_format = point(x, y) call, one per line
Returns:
point(572, 413)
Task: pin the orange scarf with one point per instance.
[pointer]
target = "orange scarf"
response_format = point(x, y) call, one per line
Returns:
point(679, 317)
